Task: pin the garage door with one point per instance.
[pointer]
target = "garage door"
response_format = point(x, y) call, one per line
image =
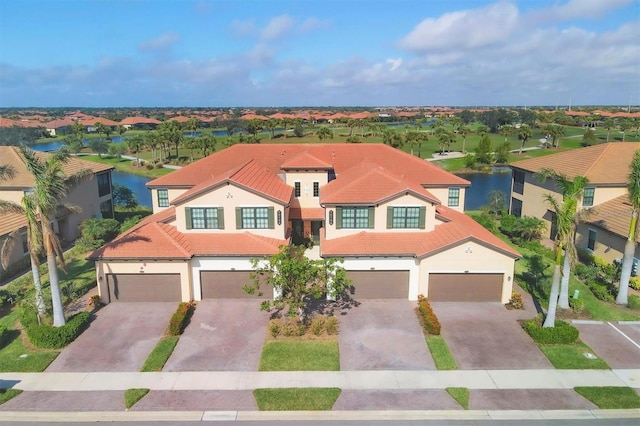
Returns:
point(379, 284)
point(465, 287)
point(144, 287)
point(228, 285)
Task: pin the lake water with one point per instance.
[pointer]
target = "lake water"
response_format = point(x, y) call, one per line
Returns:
point(483, 183)
point(53, 146)
point(134, 183)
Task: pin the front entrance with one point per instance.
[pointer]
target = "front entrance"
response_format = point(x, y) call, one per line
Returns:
point(302, 230)
point(316, 225)
point(297, 231)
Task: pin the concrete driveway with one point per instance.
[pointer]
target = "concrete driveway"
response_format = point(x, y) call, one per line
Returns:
point(224, 335)
point(618, 344)
point(485, 335)
point(383, 335)
point(119, 339)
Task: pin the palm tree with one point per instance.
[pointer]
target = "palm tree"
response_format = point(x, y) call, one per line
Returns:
point(506, 131)
point(523, 135)
point(411, 138)
point(100, 128)
point(324, 132)
point(609, 124)
point(567, 218)
point(633, 189)
point(192, 125)
point(121, 130)
point(464, 131)
point(271, 125)
point(135, 145)
point(51, 187)
point(6, 172)
point(624, 125)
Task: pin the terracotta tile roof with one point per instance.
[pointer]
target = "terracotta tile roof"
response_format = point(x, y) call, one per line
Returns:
point(10, 155)
point(92, 121)
point(254, 117)
point(56, 124)
point(9, 222)
point(238, 244)
point(605, 164)
point(306, 213)
point(6, 122)
point(366, 183)
point(179, 119)
point(460, 229)
point(306, 161)
point(252, 175)
point(139, 120)
point(613, 216)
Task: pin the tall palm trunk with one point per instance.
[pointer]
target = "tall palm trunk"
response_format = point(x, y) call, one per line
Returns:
point(627, 262)
point(563, 300)
point(54, 281)
point(550, 320)
point(37, 283)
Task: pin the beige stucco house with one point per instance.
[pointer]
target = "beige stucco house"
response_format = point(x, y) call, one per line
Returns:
point(606, 166)
point(93, 196)
point(396, 220)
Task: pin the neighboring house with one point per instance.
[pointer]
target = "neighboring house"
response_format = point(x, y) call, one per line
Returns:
point(396, 220)
point(140, 123)
point(606, 166)
point(93, 196)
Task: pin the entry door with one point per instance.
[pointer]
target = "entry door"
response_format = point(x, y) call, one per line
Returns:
point(297, 231)
point(315, 230)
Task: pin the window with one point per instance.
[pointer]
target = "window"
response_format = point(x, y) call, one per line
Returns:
point(163, 198)
point(296, 186)
point(454, 197)
point(106, 209)
point(587, 199)
point(255, 218)
point(104, 184)
point(204, 217)
point(406, 217)
point(591, 244)
point(316, 189)
point(354, 217)
point(518, 181)
point(516, 207)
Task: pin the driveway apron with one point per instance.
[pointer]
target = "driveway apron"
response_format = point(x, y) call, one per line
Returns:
point(383, 335)
point(485, 335)
point(119, 339)
point(617, 344)
point(223, 335)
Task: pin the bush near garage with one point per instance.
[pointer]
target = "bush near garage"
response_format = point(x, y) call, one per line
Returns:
point(318, 325)
point(180, 319)
point(562, 332)
point(430, 321)
point(49, 337)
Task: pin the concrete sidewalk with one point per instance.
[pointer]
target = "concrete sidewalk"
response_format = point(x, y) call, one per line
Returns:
point(382, 379)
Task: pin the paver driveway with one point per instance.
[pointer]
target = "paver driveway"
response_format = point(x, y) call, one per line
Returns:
point(119, 339)
point(223, 335)
point(617, 344)
point(383, 335)
point(485, 335)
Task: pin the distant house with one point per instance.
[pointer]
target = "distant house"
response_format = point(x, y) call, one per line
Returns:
point(396, 220)
point(607, 167)
point(94, 196)
point(140, 123)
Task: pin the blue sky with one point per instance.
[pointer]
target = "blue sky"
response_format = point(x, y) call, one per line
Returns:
point(319, 53)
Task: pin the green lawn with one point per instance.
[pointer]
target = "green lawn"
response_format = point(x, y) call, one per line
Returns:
point(160, 354)
point(7, 394)
point(461, 395)
point(12, 357)
point(131, 396)
point(293, 399)
point(571, 357)
point(124, 165)
point(610, 397)
point(300, 355)
point(441, 354)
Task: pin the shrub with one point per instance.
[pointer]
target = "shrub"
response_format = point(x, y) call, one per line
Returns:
point(274, 328)
point(516, 300)
point(180, 319)
point(46, 336)
point(317, 325)
point(537, 247)
point(585, 256)
point(429, 319)
point(562, 332)
point(634, 283)
point(600, 291)
point(634, 301)
point(159, 166)
point(577, 305)
point(486, 220)
point(149, 166)
point(585, 272)
point(331, 326)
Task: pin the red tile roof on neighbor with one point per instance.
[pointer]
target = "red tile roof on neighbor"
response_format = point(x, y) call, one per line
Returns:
point(252, 176)
point(613, 216)
point(92, 121)
point(57, 124)
point(139, 120)
point(9, 222)
point(604, 164)
point(341, 156)
point(459, 229)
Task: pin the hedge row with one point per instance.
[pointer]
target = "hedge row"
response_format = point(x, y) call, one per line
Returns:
point(180, 319)
point(563, 332)
point(46, 336)
point(429, 319)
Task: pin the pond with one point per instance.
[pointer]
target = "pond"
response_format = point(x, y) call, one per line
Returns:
point(483, 183)
point(136, 184)
point(53, 146)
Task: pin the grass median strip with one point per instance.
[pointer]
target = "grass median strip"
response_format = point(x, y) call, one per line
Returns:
point(572, 357)
point(7, 394)
point(300, 355)
point(461, 395)
point(610, 397)
point(296, 399)
point(160, 354)
point(441, 354)
point(131, 396)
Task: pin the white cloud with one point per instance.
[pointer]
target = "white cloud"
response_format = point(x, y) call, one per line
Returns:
point(575, 9)
point(277, 27)
point(162, 42)
point(464, 29)
point(394, 63)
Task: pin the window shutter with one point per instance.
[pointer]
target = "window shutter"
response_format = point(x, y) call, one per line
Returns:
point(187, 213)
point(372, 217)
point(220, 217)
point(338, 217)
point(270, 217)
point(238, 217)
point(423, 217)
point(389, 217)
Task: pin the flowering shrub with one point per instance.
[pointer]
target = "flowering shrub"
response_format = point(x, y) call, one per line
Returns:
point(430, 321)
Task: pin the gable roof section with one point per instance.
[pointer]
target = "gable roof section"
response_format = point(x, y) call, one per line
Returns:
point(252, 176)
point(605, 164)
point(306, 161)
point(368, 184)
point(9, 222)
point(10, 155)
point(613, 216)
point(459, 230)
